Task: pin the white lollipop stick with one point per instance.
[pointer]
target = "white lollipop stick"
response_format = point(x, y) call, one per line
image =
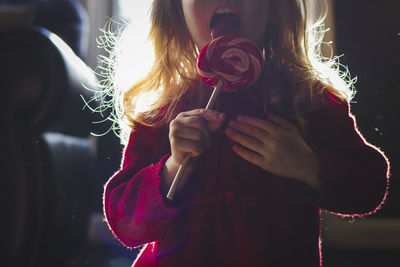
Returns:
point(182, 167)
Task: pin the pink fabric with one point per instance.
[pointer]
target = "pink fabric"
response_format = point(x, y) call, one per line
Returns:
point(233, 213)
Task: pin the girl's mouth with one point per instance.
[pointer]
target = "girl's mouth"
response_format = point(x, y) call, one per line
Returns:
point(225, 21)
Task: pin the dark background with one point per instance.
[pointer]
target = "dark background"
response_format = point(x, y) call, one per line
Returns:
point(368, 37)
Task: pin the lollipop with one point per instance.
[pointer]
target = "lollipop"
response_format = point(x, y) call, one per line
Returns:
point(229, 63)
point(235, 61)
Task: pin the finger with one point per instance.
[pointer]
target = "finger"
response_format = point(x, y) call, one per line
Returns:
point(188, 146)
point(197, 123)
point(193, 121)
point(259, 123)
point(282, 122)
point(250, 156)
point(207, 114)
point(192, 134)
point(249, 130)
point(244, 140)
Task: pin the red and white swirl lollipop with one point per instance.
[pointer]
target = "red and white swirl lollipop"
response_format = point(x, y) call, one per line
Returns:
point(236, 61)
point(228, 63)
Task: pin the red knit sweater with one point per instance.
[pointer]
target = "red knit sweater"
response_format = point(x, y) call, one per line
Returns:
point(233, 213)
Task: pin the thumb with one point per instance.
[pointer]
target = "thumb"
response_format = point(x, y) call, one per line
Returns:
point(214, 125)
point(211, 115)
point(213, 118)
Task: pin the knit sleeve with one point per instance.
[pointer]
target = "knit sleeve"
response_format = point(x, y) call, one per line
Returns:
point(353, 174)
point(134, 208)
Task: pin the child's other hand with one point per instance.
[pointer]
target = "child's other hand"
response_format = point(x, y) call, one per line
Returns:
point(275, 146)
point(190, 132)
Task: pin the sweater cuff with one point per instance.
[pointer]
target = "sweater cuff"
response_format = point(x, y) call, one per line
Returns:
point(152, 194)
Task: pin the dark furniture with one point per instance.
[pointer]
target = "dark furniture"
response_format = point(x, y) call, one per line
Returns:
point(47, 154)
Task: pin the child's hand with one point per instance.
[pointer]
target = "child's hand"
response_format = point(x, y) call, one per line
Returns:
point(275, 146)
point(190, 132)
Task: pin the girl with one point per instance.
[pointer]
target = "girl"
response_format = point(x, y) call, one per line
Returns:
point(265, 161)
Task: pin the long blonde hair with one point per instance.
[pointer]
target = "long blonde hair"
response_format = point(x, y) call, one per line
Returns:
point(294, 71)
